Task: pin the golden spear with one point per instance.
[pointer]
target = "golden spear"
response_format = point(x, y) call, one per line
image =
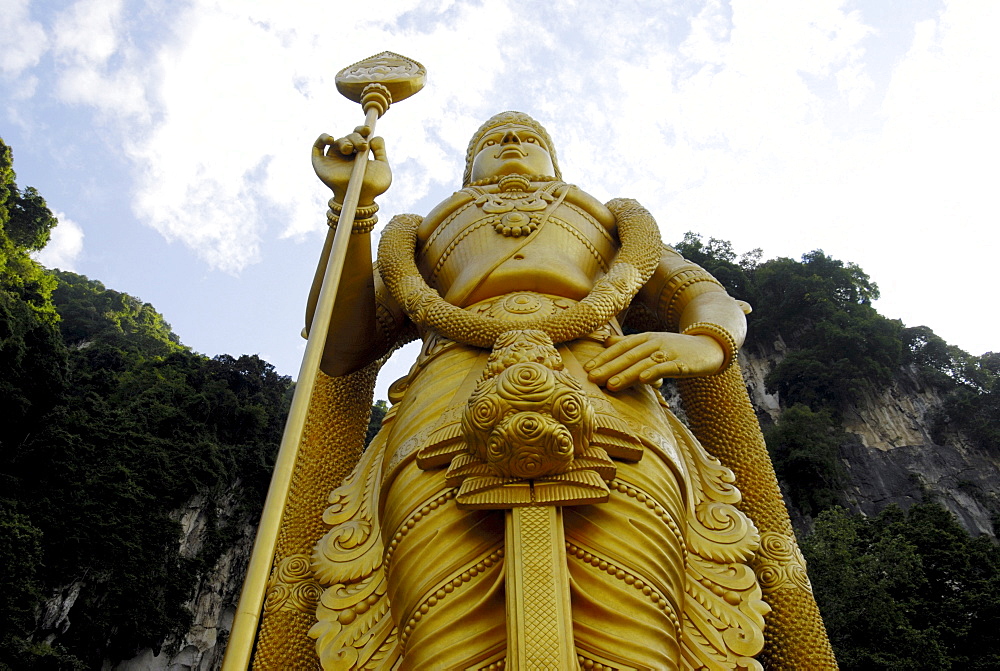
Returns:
point(375, 83)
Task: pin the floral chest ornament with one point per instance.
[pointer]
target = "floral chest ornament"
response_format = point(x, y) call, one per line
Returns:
point(513, 211)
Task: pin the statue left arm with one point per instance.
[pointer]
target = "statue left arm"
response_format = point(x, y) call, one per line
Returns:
point(705, 329)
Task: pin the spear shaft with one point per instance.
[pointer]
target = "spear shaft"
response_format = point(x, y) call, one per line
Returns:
point(375, 98)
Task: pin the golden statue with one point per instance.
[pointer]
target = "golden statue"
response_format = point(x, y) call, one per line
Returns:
point(530, 502)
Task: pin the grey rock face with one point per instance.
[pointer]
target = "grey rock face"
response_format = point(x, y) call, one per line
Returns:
point(966, 483)
point(891, 457)
point(214, 602)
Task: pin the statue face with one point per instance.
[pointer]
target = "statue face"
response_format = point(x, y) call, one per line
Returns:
point(509, 150)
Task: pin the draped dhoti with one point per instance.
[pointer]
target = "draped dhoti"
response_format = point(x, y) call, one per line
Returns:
point(625, 556)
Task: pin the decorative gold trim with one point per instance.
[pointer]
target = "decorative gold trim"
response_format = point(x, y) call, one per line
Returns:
point(364, 217)
point(354, 629)
point(675, 294)
point(539, 615)
point(779, 564)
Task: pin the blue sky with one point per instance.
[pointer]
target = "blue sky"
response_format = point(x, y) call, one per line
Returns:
point(172, 138)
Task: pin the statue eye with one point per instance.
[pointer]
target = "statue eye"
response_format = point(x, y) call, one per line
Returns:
point(532, 140)
point(489, 143)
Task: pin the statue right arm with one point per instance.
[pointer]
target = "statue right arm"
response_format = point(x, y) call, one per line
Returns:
point(364, 324)
point(703, 329)
point(682, 293)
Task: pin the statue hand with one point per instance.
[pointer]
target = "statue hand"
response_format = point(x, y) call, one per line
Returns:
point(333, 161)
point(648, 357)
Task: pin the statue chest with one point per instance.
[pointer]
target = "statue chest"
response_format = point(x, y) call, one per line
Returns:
point(530, 240)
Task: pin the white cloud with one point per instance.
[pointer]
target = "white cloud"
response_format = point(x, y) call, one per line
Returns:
point(89, 30)
point(902, 195)
point(120, 93)
point(98, 66)
point(65, 245)
point(936, 173)
point(740, 121)
point(244, 92)
point(22, 40)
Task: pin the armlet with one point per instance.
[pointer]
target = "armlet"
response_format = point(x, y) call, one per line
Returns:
point(674, 284)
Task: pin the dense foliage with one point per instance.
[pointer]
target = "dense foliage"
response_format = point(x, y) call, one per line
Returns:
point(113, 426)
point(805, 451)
point(906, 591)
point(836, 347)
point(820, 308)
point(32, 357)
point(375, 420)
point(32, 379)
point(970, 383)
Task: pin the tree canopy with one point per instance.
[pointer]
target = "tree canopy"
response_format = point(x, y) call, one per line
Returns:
point(111, 426)
point(820, 308)
point(32, 356)
point(906, 590)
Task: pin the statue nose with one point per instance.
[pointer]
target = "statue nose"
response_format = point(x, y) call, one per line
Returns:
point(510, 137)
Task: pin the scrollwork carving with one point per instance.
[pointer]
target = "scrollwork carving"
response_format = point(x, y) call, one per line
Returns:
point(292, 585)
point(354, 629)
point(780, 565)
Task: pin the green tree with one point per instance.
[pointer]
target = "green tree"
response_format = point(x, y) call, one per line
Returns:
point(940, 363)
point(91, 312)
point(20, 555)
point(736, 273)
point(27, 221)
point(906, 590)
point(821, 308)
point(804, 446)
point(972, 407)
point(32, 382)
point(142, 425)
point(32, 357)
point(375, 421)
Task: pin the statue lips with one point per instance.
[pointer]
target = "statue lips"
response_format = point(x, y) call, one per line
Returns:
point(510, 151)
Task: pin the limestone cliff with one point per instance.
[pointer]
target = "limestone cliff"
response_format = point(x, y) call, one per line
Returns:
point(891, 455)
point(213, 601)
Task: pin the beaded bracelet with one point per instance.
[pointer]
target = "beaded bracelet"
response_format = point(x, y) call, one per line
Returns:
point(364, 217)
point(721, 336)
